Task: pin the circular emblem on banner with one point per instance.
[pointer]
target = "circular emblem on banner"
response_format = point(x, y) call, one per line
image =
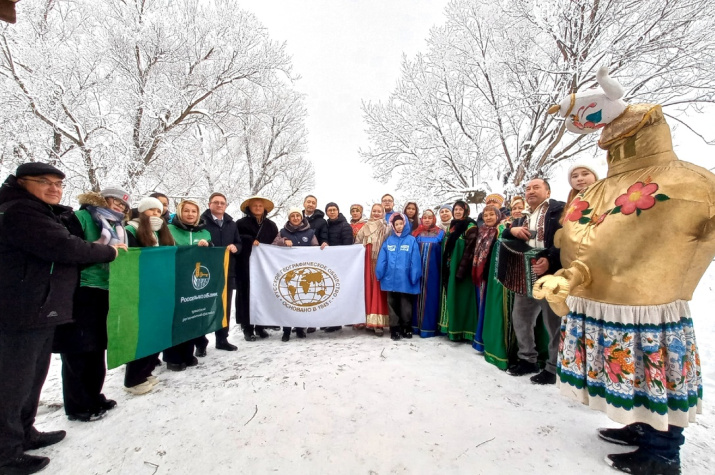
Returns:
point(200, 277)
point(306, 286)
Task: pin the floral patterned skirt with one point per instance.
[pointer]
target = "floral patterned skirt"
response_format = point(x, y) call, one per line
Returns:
point(636, 364)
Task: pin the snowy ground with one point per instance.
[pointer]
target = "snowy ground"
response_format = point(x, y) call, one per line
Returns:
point(350, 402)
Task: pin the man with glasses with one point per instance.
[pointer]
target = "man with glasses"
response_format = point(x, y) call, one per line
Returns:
point(223, 233)
point(388, 202)
point(39, 262)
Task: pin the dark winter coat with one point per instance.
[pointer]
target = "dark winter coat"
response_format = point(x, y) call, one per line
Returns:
point(300, 235)
point(319, 225)
point(340, 233)
point(250, 230)
point(39, 260)
point(551, 225)
point(223, 236)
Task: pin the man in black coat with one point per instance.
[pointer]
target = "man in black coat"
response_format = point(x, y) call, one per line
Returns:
point(538, 230)
point(224, 232)
point(255, 228)
point(39, 262)
point(316, 219)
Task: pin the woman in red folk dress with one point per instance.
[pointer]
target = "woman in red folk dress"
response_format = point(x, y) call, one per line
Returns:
point(372, 235)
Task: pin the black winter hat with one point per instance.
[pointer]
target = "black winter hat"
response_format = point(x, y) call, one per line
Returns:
point(331, 204)
point(36, 169)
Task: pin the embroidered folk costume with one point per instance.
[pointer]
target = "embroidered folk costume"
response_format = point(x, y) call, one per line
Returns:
point(372, 235)
point(633, 247)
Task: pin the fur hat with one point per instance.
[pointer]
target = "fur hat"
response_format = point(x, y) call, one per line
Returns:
point(36, 169)
point(150, 203)
point(580, 165)
point(118, 193)
point(267, 204)
point(352, 207)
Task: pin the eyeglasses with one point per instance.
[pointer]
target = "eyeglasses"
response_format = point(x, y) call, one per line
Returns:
point(111, 200)
point(57, 184)
point(218, 203)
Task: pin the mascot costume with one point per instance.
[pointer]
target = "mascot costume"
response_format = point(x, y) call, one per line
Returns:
point(633, 248)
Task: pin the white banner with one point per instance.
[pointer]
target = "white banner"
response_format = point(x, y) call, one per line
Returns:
point(307, 286)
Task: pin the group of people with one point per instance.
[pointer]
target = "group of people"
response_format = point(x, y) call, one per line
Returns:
point(430, 273)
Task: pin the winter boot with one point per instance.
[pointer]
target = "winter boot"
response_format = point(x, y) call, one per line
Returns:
point(300, 333)
point(643, 462)
point(395, 333)
point(628, 435)
point(286, 335)
point(407, 331)
point(248, 333)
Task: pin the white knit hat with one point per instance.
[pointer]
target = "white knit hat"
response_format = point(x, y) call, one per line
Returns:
point(294, 209)
point(150, 203)
point(581, 165)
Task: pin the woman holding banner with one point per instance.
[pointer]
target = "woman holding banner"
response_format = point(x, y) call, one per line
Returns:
point(82, 343)
point(187, 229)
point(372, 235)
point(296, 232)
point(148, 230)
point(255, 228)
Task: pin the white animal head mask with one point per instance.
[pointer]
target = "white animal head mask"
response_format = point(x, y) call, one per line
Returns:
point(591, 110)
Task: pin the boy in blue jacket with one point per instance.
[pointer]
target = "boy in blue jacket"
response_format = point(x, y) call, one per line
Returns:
point(399, 269)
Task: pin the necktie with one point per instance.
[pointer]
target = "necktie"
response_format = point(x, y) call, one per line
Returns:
point(219, 222)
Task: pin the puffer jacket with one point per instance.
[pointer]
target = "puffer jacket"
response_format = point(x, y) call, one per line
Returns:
point(39, 261)
point(399, 266)
point(340, 233)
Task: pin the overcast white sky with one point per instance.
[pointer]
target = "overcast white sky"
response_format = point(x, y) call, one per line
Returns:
point(350, 50)
point(346, 51)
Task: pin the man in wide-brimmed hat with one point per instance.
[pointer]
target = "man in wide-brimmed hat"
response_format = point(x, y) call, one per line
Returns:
point(255, 228)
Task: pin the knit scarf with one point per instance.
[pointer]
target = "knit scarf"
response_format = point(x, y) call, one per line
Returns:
point(110, 225)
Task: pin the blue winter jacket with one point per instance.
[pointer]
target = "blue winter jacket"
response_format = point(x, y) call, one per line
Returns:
point(399, 266)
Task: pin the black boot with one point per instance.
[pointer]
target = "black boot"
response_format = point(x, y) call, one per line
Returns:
point(407, 331)
point(23, 464)
point(286, 335)
point(260, 331)
point(248, 333)
point(43, 439)
point(395, 333)
point(223, 344)
point(300, 333)
point(643, 462)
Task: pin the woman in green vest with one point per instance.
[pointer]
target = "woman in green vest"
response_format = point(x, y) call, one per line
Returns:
point(188, 229)
point(82, 343)
point(146, 230)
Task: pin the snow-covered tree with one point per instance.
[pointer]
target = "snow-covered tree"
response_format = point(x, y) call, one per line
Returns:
point(470, 112)
point(143, 93)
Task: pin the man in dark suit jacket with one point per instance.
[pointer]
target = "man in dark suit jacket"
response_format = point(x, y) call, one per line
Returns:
point(224, 232)
point(538, 230)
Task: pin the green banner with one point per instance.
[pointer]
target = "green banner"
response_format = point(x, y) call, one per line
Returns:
point(162, 296)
